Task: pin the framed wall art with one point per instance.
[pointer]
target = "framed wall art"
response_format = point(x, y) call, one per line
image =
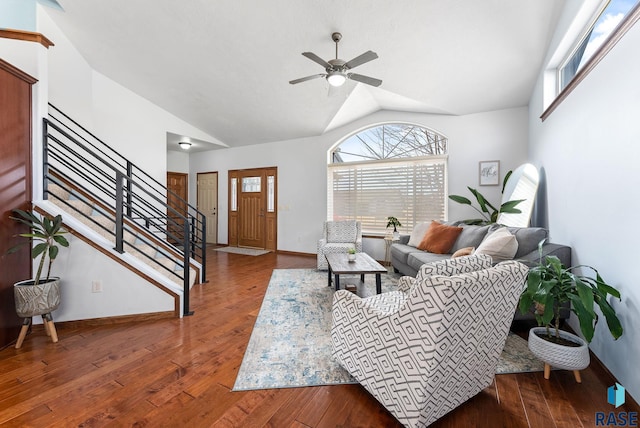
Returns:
point(489, 173)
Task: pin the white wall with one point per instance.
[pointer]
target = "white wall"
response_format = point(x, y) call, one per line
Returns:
point(178, 161)
point(302, 168)
point(124, 292)
point(589, 150)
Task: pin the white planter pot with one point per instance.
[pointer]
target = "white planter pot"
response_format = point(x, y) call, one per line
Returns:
point(32, 300)
point(351, 257)
point(562, 357)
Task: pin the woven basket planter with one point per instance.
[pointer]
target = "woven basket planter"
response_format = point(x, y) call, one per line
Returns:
point(560, 356)
point(32, 300)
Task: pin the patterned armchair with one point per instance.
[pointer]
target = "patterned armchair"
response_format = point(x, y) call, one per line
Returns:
point(423, 352)
point(338, 237)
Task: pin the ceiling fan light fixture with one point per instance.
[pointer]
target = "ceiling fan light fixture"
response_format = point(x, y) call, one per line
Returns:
point(336, 78)
point(184, 145)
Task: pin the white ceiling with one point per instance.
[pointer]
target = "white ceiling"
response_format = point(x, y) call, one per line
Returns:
point(224, 65)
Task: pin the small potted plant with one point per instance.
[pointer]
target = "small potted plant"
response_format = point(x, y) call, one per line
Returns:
point(393, 221)
point(550, 285)
point(39, 296)
point(351, 254)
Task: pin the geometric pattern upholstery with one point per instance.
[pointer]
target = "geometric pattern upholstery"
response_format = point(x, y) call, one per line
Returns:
point(337, 238)
point(423, 353)
point(447, 267)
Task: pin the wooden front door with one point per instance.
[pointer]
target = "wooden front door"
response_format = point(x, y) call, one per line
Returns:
point(15, 182)
point(177, 201)
point(252, 208)
point(208, 203)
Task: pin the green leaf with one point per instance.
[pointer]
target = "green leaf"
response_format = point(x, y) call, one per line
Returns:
point(38, 249)
point(61, 240)
point(481, 200)
point(612, 319)
point(586, 295)
point(53, 252)
point(504, 181)
point(460, 199)
point(585, 317)
point(509, 207)
point(548, 309)
point(526, 301)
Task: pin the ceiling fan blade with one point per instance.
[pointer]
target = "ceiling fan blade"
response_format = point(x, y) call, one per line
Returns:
point(304, 79)
point(315, 58)
point(359, 60)
point(365, 79)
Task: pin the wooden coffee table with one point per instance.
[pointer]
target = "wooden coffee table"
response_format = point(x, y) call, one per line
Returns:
point(364, 264)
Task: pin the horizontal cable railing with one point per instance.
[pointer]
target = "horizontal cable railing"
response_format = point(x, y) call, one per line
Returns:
point(121, 191)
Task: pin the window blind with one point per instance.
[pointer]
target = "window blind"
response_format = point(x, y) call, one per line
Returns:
point(413, 190)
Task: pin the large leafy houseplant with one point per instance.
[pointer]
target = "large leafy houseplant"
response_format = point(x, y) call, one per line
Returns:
point(48, 234)
point(550, 285)
point(488, 212)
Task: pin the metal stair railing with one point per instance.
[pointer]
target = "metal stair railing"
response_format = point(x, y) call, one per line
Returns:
point(132, 195)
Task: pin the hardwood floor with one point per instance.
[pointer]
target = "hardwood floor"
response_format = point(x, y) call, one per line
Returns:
point(179, 372)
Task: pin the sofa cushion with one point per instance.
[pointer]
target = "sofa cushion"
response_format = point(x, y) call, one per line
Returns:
point(416, 259)
point(418, 233)
point(500, 245)
point(342, 231)
point(471, 236)
point(439, 238)
point(400, 252)
point(528, 238)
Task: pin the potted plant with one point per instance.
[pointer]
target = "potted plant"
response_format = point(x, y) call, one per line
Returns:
point(549, 286)
point(351, 254)
point(39, 296)
point(393, 221)
point(488, 212)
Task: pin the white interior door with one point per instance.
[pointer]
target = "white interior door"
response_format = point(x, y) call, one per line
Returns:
point(208, 203)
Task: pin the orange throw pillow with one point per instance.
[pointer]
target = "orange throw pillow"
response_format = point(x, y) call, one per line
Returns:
point(439, 238)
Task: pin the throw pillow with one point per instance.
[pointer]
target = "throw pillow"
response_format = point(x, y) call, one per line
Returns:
point(417, 234)
point(500, 245)
point(439, 238)
point(463, 252)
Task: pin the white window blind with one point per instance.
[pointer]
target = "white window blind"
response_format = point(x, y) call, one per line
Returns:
point(413, 190)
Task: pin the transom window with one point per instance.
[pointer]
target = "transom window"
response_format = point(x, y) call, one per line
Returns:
point(396, 169)
point(613, 13)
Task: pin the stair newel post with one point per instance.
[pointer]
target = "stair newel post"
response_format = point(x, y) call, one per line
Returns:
point(45, 158)
point(203, 243)
point(119, 211)
point(186, 241)
point(129, 192)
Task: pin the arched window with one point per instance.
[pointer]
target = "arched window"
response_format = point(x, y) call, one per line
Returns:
point(395, 169)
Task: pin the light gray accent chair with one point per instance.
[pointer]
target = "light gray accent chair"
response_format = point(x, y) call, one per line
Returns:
point(338, 237)
point(424, 351)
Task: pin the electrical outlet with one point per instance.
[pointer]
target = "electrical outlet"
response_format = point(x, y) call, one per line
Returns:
point(96, 286)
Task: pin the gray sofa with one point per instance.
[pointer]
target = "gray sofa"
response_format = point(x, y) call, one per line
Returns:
point(407, 260)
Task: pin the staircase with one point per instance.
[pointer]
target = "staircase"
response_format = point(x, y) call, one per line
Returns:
point(120, 210)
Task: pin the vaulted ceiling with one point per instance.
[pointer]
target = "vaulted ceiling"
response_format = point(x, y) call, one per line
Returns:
point(224, 65)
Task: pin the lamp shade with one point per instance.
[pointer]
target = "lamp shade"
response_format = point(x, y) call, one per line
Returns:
point(336, 78)
point(184, 145)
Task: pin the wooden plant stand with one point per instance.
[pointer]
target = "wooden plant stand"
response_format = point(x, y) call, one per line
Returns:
point(49, 328)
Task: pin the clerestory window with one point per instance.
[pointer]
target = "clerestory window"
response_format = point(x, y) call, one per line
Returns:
point(600, 31)
point(395, 169)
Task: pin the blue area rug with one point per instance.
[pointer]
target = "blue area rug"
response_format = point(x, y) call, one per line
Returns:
point(290, 345)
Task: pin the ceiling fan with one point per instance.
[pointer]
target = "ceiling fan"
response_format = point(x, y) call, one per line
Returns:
point(337, 70)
